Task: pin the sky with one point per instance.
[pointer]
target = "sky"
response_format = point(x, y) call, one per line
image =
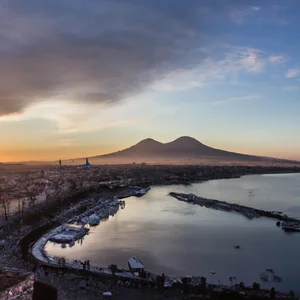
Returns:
point(87, 77)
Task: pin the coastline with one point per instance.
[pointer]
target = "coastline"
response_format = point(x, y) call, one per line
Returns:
point(196, 274)
point(80, 198)
point(60, 218)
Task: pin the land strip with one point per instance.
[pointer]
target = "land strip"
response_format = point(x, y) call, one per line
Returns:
point(248, 212)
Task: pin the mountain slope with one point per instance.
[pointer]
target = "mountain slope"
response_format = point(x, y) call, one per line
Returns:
point(182, 149)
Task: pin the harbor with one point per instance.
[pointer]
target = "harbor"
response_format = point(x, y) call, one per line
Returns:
point(102, 208)
point(138, 274)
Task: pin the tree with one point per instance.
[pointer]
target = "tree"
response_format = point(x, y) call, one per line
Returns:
point(255, 286)
point(5, 205)
point(292, 295)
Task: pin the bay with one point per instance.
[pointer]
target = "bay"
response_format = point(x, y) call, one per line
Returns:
point(182, 239)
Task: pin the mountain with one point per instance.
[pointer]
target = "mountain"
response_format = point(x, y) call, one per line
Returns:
point(182, 150)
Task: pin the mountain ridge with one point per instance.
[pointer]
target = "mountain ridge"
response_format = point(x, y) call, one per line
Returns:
point(182, 148)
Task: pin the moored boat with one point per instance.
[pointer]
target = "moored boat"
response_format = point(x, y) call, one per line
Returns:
point(142, 192)
point(291, 226)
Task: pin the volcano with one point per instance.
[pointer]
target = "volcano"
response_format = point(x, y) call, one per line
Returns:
point(182, 150)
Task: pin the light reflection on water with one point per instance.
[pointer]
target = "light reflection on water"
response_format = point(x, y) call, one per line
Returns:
point(182, 239)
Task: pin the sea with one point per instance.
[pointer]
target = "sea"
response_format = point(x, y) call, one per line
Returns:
point(181, 239)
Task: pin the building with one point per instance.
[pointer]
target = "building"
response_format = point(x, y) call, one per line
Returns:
point(87, 164)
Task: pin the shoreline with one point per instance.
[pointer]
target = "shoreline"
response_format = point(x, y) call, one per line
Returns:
point(36, 232)
point(105, 271)
point(78, 197)
point(63, 219)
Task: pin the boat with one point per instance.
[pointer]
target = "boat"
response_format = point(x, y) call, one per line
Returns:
point(291, 226)
point(142, 192)
point(62, 238)
point(107, 295)
point(94, 220)
point(135, 265)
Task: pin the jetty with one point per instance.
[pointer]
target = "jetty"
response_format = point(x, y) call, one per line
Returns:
point(246, 211)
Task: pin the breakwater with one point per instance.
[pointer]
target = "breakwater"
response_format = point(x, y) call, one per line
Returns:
point(246, 211)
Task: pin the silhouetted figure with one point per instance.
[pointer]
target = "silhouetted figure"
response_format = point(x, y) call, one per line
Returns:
point(163, 281)
point(59, 162)
point(272, 293)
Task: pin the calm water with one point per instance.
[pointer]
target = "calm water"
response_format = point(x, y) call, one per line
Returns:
point(183, 239)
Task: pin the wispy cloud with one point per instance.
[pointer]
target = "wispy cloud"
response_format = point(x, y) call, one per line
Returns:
point(292, 73)
point(256, 8)
point(69, 118)
point(236, 99)
point(239, 14)
point(277, 59)
point(291, 88)
point(251, 60)
point(179, 80)
point(271, 13)
point(235, 61)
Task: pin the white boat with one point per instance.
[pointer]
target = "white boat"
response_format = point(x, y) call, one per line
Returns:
point(62, 238)
point(135, 265)
point(94, 220)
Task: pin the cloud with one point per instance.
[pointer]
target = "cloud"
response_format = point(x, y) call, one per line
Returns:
point(234, 61)
point(239, 13)
point(256, 8)
point(91, 51)
point(251, 60)
point(276, 59)
point(292, 73)
point(272, 13)
point(70, 118)
point(236, 99)
point(291, 88)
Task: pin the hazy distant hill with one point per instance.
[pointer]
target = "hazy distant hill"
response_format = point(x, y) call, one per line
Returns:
point(184, 150)
point(181, 150)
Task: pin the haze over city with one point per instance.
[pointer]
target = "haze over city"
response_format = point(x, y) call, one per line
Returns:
point(149, 149)
point(83, 78)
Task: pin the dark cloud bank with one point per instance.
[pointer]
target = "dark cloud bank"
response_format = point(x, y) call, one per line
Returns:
point(91, 50)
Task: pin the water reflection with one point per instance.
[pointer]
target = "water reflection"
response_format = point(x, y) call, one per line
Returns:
point(182, 239)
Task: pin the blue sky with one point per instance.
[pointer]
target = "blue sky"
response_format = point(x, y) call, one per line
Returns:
point(80, 78)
